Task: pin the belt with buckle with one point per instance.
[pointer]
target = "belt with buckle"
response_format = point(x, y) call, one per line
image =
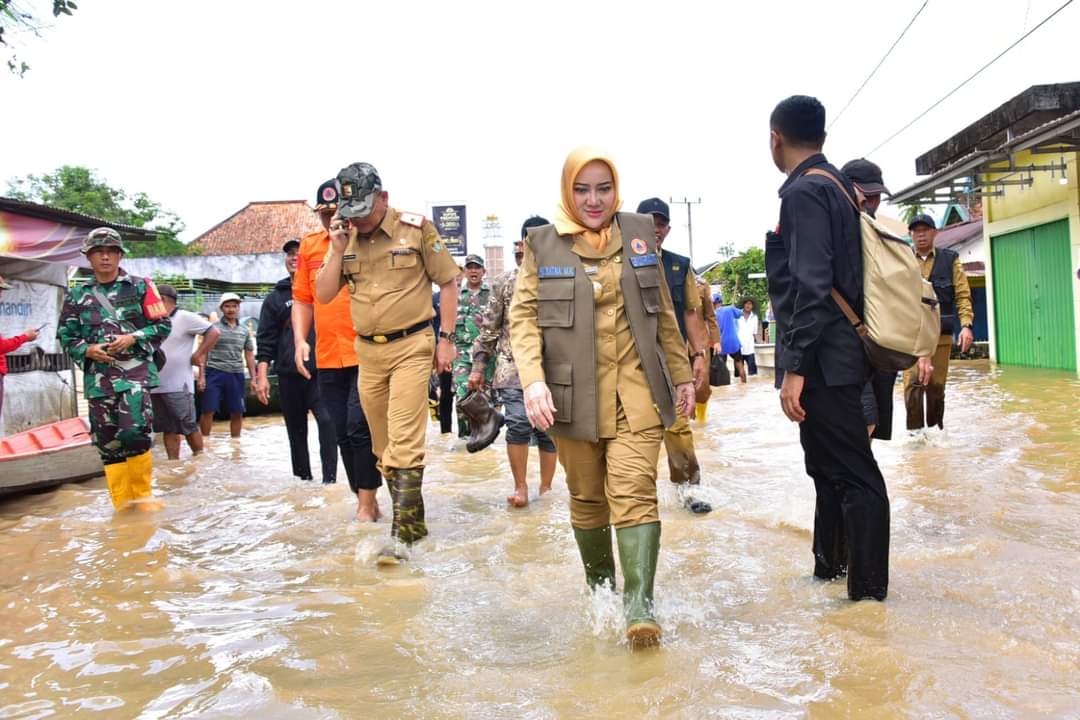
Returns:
point(391, 337)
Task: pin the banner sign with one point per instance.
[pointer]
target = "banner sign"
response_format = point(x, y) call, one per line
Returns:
point(450, 222)
point(30, 305)
point(35, 239)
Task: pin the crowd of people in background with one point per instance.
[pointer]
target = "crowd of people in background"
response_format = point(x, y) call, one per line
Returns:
point(598, 347)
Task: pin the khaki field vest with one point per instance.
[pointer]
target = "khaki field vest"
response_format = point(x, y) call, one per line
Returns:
point(565, 316)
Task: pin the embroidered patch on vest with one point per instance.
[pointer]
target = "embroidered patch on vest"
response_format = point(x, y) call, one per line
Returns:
point(643, 260)
point(638, 245)
point(555, 271)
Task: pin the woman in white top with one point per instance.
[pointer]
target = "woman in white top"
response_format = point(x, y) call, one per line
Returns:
point(747, 325)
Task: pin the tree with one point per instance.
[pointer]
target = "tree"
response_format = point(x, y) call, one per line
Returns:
point(78, 189)
point(14, 19)
point(733, 276)
point(910, 211)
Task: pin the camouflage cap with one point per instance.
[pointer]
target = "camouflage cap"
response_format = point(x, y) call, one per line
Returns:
point(360, 187)
point(474, 260)
point(103, 237)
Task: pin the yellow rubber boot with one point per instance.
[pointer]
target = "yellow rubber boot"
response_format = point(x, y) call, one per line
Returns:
point(116, 477)
point(140, 476)
point(700, 410)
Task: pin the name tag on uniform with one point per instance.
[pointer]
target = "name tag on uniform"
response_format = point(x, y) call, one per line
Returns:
point(555, 271)
point(401, 251)
point(591, 269)
point(350, 256)
point(643, 260)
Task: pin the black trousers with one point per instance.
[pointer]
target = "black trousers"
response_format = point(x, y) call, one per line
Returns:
point(341, 396)
point(446, 402)
point(298, 396)
point(851, 519)
point(877, 400)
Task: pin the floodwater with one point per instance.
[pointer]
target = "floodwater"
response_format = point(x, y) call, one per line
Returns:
point(253, 595)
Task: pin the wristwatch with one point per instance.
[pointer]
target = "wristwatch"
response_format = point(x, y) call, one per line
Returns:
point(699, 353)
point(448, 336)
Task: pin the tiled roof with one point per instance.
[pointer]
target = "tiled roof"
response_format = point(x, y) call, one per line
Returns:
point(260, 227)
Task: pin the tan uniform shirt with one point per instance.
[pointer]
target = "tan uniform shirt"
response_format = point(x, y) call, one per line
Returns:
point(705, 311)
point(961, 290)
point(389, 273)
point(619, 372)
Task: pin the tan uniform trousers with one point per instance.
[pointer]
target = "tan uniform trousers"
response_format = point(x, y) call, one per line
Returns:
point(612, 481)
point(681, 458)
point(394, 395)
point(934, 393)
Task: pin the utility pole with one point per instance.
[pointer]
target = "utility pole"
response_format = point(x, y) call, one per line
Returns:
point(689, 220)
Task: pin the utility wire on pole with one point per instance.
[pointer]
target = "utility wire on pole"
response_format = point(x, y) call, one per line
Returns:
point(969, 78)
point(880, 63)
point(689, 220)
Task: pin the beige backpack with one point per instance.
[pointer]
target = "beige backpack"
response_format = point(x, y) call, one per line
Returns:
point(902, 320)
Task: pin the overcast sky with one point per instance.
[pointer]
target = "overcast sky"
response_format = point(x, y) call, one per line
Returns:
point(208, 105)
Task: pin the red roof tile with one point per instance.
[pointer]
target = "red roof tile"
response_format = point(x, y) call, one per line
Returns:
point(260, 227)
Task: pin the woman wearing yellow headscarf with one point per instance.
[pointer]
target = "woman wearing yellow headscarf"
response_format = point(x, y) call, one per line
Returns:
point(604, 370)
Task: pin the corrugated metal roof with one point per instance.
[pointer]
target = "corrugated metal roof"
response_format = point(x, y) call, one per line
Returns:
point(45, 212)
point(958, 234)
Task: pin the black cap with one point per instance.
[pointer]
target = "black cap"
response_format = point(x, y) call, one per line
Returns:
point(922, 219)
point(654, 206)
point(867, 176)
point(167, 291)
point(327, 196)
point(290, 244)
point(534, 221)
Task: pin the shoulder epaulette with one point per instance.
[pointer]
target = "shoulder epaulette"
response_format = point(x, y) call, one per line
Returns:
point(414, 219)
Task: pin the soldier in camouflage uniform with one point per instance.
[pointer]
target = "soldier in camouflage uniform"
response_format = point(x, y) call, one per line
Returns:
point(471, 304)
point(492, 349)
point(112, 328)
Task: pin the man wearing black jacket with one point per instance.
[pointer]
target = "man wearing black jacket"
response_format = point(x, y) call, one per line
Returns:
point(298, 394)
point(815, 250)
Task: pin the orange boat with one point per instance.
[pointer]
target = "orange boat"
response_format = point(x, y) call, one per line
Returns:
point(52, 454)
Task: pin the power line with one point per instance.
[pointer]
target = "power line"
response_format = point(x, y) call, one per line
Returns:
point(970, 78)
point(880, 63)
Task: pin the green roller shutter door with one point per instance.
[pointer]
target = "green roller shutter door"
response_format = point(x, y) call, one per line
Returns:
point(1033, 301)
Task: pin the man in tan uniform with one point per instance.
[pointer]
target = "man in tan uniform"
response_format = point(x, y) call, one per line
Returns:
point(389, 259)
point(712, 333)
point(942, 268)
point(686, 302)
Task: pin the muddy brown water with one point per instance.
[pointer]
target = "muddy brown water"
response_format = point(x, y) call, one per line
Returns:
point(253, 595)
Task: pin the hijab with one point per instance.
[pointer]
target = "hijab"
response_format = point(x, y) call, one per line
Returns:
point(567, 219)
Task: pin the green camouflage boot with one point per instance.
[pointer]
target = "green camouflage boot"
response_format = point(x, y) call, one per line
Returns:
point(596, 556)
point(639, 547)
point(408, 525)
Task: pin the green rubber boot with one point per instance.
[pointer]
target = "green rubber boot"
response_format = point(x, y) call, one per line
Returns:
point(596, 556)
point(408, 525)
point(639, 547)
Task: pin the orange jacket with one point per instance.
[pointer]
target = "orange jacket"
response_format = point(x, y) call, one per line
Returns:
point(334, 333)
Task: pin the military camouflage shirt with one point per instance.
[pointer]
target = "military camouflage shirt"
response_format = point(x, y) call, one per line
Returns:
point(85, 322)
point(494, 338)
point(471, 305)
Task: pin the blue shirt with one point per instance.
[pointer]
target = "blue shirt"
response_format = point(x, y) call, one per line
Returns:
point(729, 333)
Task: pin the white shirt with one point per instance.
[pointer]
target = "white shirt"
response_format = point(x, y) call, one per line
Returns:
point(176, 376)
point(747, 326)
